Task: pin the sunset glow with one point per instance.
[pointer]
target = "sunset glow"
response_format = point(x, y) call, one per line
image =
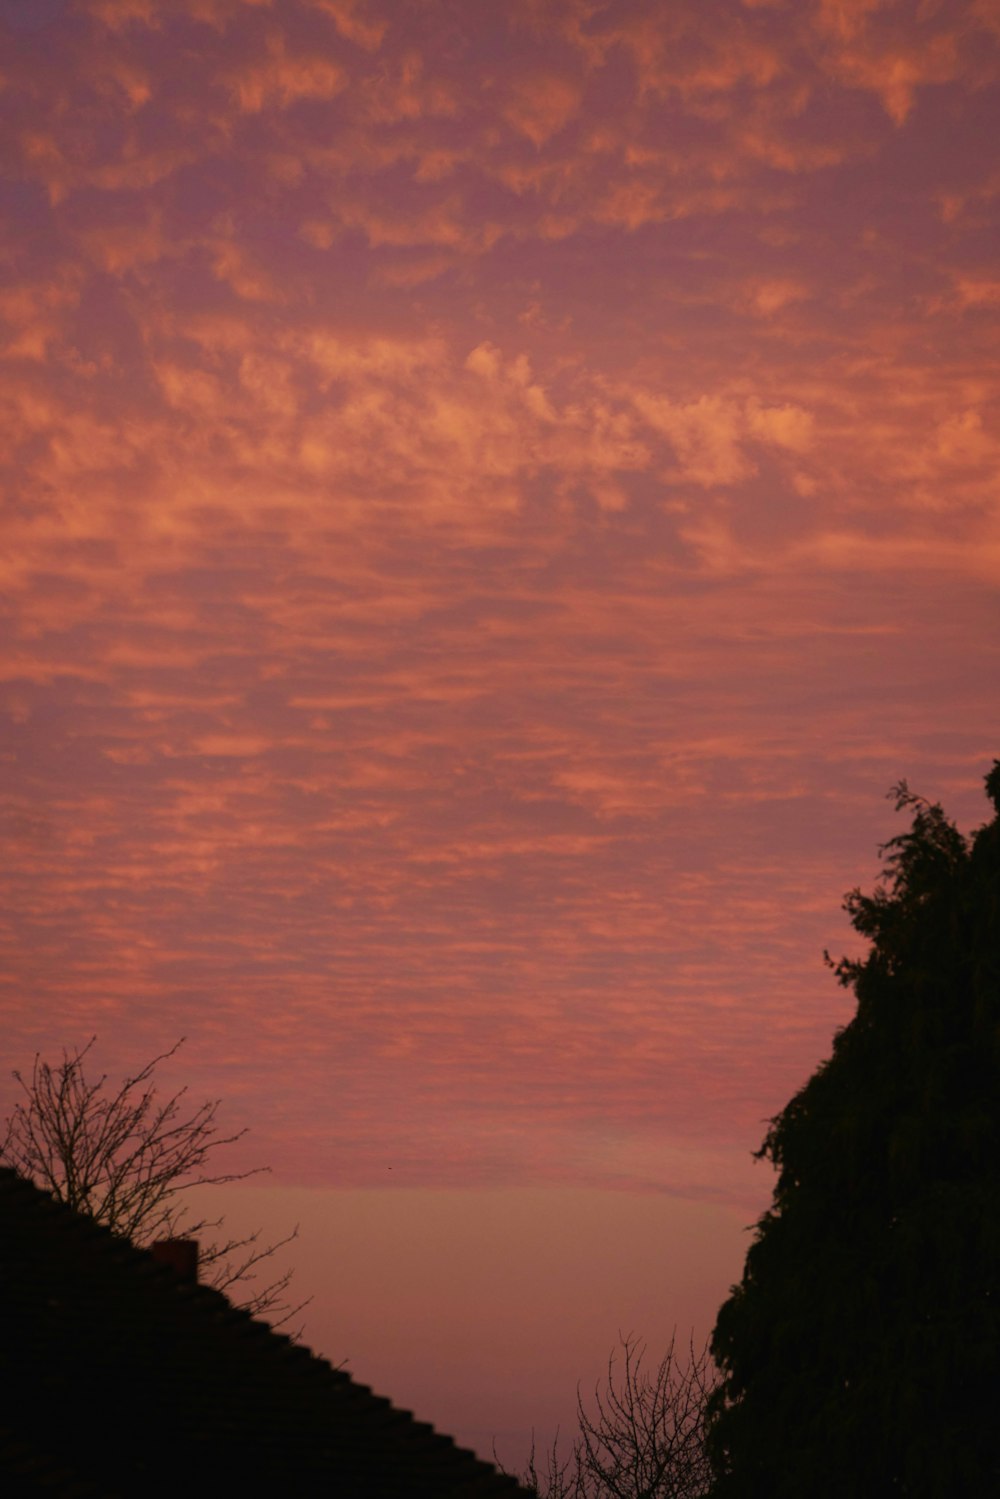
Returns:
point(493, 497)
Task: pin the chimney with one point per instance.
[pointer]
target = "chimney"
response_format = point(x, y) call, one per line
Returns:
point(180, 1254)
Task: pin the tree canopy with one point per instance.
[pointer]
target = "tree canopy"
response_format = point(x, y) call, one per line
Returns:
point(860, 1353)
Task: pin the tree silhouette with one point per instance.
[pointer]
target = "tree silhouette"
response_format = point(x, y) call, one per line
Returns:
point(861, 1352)
point(126, 1157)
point(644, 1437)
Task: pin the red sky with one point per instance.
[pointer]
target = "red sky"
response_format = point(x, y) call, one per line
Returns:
point(493, 495)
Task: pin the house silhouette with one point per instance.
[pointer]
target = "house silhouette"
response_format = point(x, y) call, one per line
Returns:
point(124, 1377)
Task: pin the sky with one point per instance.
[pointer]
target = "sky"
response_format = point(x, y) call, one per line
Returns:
point(493, 496)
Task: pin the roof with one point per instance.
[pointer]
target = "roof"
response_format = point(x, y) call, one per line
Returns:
point(126, 1380)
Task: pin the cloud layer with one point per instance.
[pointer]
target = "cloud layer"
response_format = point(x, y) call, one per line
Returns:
point(491, 499)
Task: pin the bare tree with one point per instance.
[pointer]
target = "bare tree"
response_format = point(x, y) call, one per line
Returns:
point(644, 1438)
point(126, 1157)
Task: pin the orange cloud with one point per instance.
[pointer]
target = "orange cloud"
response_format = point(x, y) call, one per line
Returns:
point(877, 47)
point(283, 80)
point(234, 265)
point(120, 16)
point(708, 434)
point(34, 312)
point(121, 248)
point(896, 77)
point(542, 105)
point(789, 426)
point(770, 296)
point(353, 20)
point(404, 90)
point(440, 223)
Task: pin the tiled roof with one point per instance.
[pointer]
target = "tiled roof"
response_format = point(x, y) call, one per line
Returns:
point(124, 1380)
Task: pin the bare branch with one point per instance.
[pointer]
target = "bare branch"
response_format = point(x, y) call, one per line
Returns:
point(561, 1478)
point(125, 1157)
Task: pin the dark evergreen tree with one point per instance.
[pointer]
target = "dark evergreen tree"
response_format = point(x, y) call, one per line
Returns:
point(860, 1354)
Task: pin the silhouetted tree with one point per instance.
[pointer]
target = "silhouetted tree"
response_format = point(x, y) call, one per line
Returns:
point(861, 1352)
point(644, 1437)
point(126, 1157)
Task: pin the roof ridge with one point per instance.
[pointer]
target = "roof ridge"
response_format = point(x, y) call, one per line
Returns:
point(200, 1376)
